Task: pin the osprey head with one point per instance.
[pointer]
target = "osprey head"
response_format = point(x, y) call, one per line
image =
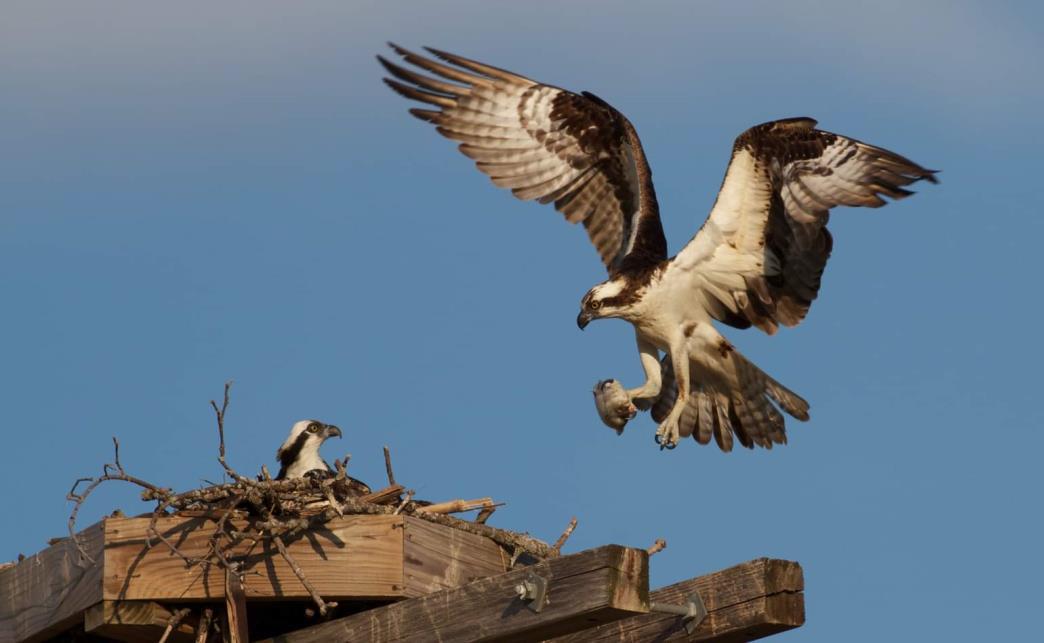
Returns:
point(300, 453)
point(604, 300)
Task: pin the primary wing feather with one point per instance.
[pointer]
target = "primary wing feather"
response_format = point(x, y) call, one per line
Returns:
point(544, 144)
point(759, 257)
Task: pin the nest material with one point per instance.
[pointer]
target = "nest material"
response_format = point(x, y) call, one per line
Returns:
point(281, 510)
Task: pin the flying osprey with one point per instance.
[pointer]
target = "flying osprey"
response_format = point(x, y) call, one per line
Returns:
point(756, 261)
point(299, 456)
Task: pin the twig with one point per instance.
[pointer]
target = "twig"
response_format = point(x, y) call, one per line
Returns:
point(203, 627)
point(281, 510)
point(508, 539)
point(330, 498)
point(657, 546)
point(565, 536)
point(116, 456)
point(173, 621)
point(388, 467)
point(382, 496)
point(402, 505)
point(151, 532)
point(458, 506)
point(220, 414)
point(319, 602)
point(109, 472)
point(341, 467)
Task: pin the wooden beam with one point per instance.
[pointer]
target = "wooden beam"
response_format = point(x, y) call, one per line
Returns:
point(437, 557)
point(133, 622)
point(592, 587)
point(47, 592)
point(380, 557)
point(357, 557)
point(746, 602)
point(369, 546)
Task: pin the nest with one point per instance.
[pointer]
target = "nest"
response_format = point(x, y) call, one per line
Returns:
point(260, 508)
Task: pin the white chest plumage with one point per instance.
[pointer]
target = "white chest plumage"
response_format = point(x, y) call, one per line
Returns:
point(755, 262)
point(306, 461)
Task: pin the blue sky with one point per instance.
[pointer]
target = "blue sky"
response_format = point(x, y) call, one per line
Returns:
point(197, 192)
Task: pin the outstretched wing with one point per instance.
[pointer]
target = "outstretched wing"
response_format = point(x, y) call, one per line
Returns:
point(759, 256)
point(545, 144)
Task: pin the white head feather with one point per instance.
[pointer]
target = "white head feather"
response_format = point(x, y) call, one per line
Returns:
point(299, 454)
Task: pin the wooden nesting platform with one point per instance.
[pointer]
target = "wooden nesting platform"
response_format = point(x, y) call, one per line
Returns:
point(395, 577)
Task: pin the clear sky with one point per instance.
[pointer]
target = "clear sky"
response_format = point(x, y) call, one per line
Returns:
point(193, 192)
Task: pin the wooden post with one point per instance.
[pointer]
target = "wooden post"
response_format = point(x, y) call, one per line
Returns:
point(235, 630)
point(746, 602)
point(583, 590)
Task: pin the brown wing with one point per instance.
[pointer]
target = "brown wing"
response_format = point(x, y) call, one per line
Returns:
point(545, 144)
point(759, 256)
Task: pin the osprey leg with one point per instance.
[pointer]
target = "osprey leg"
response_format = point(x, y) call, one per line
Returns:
point(729, 397)
point(668, 433)
point(644, 396)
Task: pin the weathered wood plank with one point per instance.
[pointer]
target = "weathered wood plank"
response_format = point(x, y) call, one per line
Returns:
point(133, 622)
point(746, 602)
point(586, 589)
point(435, 558)
point(47, 593)
point(236, 629)
point(350, 557)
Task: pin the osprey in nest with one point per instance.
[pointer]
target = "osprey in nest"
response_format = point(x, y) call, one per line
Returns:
point(299, 455)
point(756, 261)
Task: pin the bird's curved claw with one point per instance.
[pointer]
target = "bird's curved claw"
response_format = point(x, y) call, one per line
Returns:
point(670, 446)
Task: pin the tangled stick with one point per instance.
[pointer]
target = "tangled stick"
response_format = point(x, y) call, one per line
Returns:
point(173, 622)
point(112, 471)
point(279, 511)
point(203, 628)
point(565, 535)
point(657, 546)
point(388, 467)
point(323, 605)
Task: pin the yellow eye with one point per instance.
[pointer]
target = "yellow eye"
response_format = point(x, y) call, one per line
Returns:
point(313, 427)
point(595, 304)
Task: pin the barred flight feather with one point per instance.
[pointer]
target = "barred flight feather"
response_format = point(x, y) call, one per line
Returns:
point(757, 260)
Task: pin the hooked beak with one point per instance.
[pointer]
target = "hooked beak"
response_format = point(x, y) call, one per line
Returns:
point(331, 431)
point(583, 319)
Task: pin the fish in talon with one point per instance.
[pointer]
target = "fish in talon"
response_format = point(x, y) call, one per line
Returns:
point(614, 404)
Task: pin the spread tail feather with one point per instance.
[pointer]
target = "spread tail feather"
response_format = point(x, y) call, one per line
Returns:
point(739, 403)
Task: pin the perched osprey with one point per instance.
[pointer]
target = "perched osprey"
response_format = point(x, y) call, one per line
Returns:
point(299, 455)
point(756, 261)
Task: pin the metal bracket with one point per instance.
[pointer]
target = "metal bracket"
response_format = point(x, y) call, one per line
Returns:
point(533, 589)
point(693, 612)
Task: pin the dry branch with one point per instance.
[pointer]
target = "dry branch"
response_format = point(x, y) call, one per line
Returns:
point(458, 506)
point(657, 546)
point(323, 606)
point(281, 510)
point(203, 628)
point(173, 622)
point(384, 496)
point(405, 501)
point(565, 535)
point(388, 467)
